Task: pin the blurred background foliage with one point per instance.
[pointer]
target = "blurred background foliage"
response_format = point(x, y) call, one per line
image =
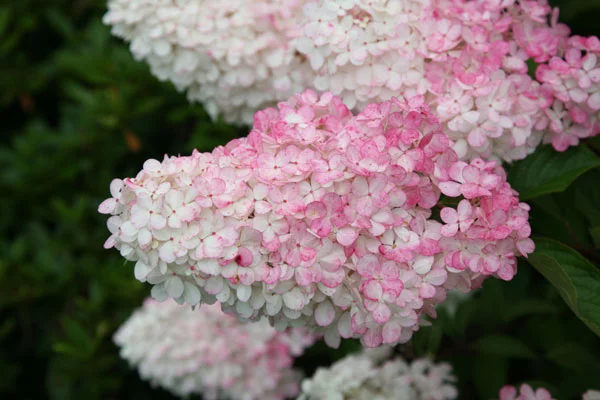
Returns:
point(78, 111)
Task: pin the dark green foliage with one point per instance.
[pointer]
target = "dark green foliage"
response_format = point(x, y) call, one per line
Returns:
point(78, 111)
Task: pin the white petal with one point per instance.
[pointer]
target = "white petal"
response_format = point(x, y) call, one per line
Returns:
point(174, 287)
point(332, 337)
point(224, 294)
point(159, 293)
point(274, 305)
point(422, 265)
point(345, 326)
point(209, 266)
point(115, 188)
point(325, 313)
point(141, 271)
point(166, 252)
point(144, 237)
point(191, 293)
point(214, 285)
point(244, 292)
point(243, 309)
point(294, 299)
point(107, 206)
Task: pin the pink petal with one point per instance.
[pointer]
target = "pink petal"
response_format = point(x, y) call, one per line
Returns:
point(346, 236)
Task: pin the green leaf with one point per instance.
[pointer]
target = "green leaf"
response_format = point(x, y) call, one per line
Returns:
point(595, 233)
point(573, 356)
point(548, 171)
point(555, 216)
point(587, 196)
point(577, 280)
point(504, 346)
point(529, 307)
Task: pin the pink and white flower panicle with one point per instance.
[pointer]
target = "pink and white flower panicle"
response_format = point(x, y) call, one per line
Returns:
point(469, 57)
point(211, 353)
point(323, 219)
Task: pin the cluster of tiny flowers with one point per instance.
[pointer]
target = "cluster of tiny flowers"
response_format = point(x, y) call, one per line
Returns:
point(234, 56)
point(470, 59)
point(526, 392)
point(211, 353)
point(361, 377)
point(323, 219)
point(574, 81)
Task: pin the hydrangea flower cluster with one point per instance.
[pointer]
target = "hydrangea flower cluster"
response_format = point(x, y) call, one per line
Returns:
point(591, 395)
point(235, 57)
point(358, 377)
point(470, 59)
point(323, 219)
point(574, 81)
point(211, 353)
point(525, 392)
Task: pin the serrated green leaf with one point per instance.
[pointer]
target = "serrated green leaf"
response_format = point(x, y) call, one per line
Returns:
point(504, 346)
point(548, 171)
point(577, 279)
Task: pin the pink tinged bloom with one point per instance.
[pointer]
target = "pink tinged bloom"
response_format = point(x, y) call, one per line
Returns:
point(148, 212)
point(380, 285)
point(272, 227)
point(526, 392)
point(177, 242)
point(109, 205)
point(285, 199)
point(215, 236)
point(327, 214)
point(177, 210)
point(328, 269)
point(399, 244)
point(469, 181)
point(369, 194)
point(461, 218)
point(209, 190)
point(324, 313)
point(301, 247)
point(445, 37)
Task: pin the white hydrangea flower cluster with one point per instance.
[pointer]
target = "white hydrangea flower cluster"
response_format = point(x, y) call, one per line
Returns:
point(211, 353)
point(360, 377)
point(233, 56)
point(365, 51)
